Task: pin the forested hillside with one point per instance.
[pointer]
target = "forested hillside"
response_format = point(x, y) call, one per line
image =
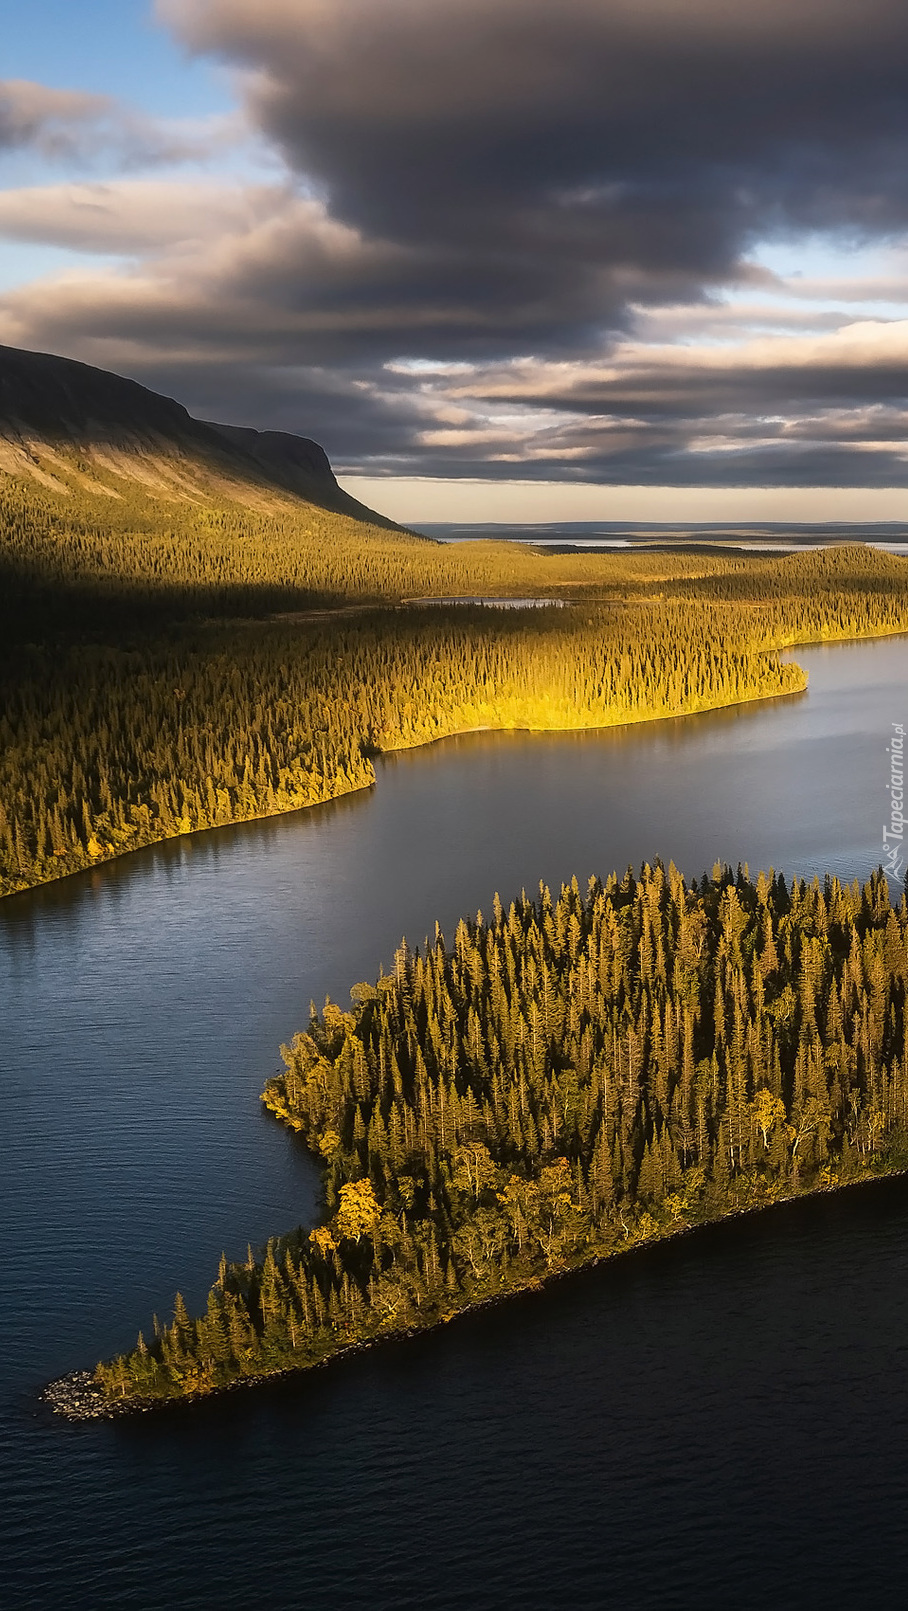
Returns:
point(100, 564)
point(138, 709)
point(562, 1081)
point(178, 654)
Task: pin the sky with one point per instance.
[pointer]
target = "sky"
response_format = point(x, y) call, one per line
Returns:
point(505, 259)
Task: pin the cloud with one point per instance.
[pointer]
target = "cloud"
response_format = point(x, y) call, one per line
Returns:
point(263, 265)
point(258, 307)
point(647, 133)
point(72, 127)
point(136, 217)
point(511, 233)
point(252, 305)
point(53, 120)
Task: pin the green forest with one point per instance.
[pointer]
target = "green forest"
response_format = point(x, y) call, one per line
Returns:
point(103, 749)
point(174, 668)
point(568, 1079)
point(131, 559)
point(563, 1081)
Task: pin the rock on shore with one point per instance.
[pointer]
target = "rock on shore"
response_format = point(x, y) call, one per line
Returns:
point(79, 1398)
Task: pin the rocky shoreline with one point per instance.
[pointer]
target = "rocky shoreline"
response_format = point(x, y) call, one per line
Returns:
point(79, 1398)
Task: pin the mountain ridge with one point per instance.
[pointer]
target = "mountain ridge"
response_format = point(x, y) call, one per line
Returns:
point(73, 427)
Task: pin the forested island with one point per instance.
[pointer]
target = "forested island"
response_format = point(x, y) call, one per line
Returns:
point(565, 1080)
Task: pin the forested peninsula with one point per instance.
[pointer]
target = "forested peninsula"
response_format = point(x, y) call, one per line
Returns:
point(565, 1080)
point(170, 671)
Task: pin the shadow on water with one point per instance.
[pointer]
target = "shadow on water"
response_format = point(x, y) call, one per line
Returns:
point(167, 861)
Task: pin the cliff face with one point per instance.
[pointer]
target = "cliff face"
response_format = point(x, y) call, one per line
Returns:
point(75, 428)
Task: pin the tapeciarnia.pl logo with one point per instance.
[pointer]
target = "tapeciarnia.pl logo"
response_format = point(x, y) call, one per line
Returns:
point(893, 836)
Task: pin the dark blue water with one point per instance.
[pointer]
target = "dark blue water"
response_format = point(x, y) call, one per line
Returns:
point(717, 1422)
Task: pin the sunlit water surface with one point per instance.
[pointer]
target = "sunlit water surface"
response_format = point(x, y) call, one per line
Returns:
point(718, 1422)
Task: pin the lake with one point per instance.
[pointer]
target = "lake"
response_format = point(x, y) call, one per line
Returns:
point(718, 1421)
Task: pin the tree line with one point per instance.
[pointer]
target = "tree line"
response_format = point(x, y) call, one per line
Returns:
point(106, 748)
point(169, 666)
point(565, 1079)
point(109, 745)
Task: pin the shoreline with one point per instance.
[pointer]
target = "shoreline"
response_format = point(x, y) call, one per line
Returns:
point(423, 743)
point(463, 732)
point(76, 1397)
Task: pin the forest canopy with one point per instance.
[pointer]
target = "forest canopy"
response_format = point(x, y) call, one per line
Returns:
point(564, 1080)
point(173, 668)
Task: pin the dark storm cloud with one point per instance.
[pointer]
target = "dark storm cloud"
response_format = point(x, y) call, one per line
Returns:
point(506, 184)
point(653, 135)
point(544, 168)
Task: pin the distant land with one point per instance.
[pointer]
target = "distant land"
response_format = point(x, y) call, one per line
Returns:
point(580, 534)
point(73, 428)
